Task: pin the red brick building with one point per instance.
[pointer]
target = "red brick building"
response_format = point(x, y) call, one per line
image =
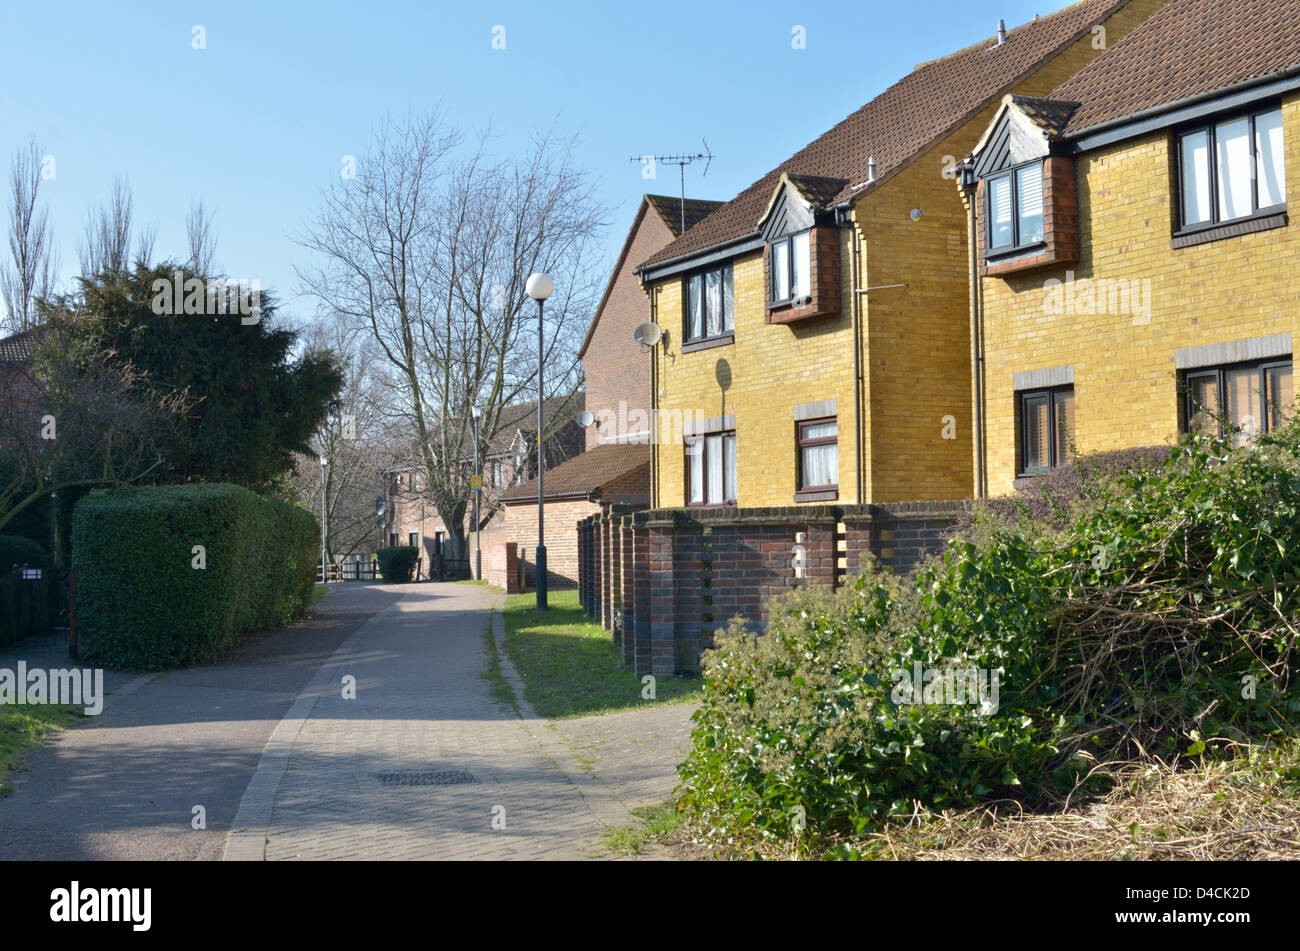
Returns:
point(618, 373)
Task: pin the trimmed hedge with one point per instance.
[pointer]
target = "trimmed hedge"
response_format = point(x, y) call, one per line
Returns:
point(397, 563)
point(144, 602)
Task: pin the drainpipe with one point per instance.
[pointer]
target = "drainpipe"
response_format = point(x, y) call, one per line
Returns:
point(857, 362)
point(976, 326)
point(654, 404)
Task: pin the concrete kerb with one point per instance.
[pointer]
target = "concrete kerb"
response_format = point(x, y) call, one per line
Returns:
point(599, 798)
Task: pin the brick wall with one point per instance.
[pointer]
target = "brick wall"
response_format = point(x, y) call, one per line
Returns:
point(561, 539)
point(501, 566)
point(663, 581)
point(1126, 388)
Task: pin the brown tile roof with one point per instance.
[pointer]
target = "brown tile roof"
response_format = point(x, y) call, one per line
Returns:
point(670, 210)
point(1051, 115)
point(523, 416)
point(904, 120)
point(18, 348)
point(585, 473)
point(1188, 48)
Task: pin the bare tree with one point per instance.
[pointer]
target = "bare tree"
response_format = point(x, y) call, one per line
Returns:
point(360, 439)
point(202, 239)
point(106, 245)
point(430, 248)
point(33, 267)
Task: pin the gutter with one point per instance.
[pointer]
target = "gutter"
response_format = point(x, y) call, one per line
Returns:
point(705, 256)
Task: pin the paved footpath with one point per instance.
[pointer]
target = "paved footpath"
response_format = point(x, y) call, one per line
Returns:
point(287, 768)
point(504, 786)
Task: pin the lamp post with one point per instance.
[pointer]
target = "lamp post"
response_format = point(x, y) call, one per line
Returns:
point(324, 520)
point(478, 493)
point(540, 287)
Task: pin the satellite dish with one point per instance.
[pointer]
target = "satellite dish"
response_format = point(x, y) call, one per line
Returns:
point(380, 505)
point(586, 418)
point(647, 335)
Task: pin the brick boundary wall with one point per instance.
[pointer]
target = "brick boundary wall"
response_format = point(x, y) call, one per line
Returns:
point(502, 568)
point(663, 581)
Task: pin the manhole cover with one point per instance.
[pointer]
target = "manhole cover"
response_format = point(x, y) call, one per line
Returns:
point(444, 777)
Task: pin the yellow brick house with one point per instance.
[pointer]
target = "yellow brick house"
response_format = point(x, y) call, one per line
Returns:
point(816, 333)
point(1135, 258)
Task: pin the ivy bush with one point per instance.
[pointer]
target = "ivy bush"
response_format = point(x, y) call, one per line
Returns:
point(397, 563)
point(171, 575)
point(1161, 621)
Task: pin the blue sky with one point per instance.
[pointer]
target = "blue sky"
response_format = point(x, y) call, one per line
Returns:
point(258, 121)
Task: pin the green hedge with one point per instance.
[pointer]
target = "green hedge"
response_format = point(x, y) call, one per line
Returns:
point(397, 563)
point(143, 602)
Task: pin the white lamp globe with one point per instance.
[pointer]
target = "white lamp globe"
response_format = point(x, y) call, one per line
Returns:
point(539, 286)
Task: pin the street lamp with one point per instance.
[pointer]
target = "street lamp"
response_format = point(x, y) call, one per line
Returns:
point(540, 287)
point(324, 520)
point(478, 493)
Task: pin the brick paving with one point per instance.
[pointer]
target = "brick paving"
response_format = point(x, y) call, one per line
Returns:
point(422, 707)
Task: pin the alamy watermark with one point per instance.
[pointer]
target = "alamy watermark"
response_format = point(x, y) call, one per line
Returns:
point(960, 686)
point(214, 297)
point(1118, 297)
point(79, 687)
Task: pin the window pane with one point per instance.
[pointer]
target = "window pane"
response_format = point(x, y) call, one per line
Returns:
point(695, 470)
point(730, 444)
point(713, 298)
point(1234, 168)
point(696, 306)
point(1029, 191)
point(1036, 437)
point(821, 430)
point(801, 262)
point(1000, 213)
point(1203, 410)
point(1196, 178)
point(1064, 430)
point(728, 301)
point(1281, 395)
point(820, 465)
point(1242, 390)
point(713, 459)
point(1272, 161)
point(780, 271)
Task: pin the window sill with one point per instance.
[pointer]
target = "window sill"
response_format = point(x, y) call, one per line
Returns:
point(1001, 254)
point(708, 343)
point(1206, 234)
point(822, 493)
point(714, 505)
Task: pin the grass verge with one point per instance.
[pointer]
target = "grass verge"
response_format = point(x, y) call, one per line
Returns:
point(498, 686)
point(319, 593)
point(657, 825)
point(22, 731)
point(570, 667)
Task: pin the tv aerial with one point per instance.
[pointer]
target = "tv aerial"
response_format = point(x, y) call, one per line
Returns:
point(681, 161)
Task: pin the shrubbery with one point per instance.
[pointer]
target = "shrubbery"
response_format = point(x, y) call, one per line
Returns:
point(1161, 621)
point(396, 564)
point(146, 599)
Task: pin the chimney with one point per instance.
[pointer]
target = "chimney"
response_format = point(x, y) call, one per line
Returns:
point(1002, 32)
point(871, 170)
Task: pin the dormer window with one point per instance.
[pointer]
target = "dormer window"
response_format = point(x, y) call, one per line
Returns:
point(1015, 209)
point(791, 262)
